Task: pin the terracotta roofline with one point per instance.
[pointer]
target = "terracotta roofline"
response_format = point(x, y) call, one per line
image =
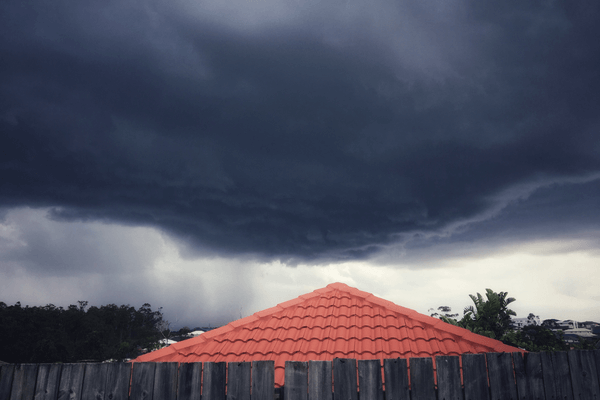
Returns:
point(465, 334)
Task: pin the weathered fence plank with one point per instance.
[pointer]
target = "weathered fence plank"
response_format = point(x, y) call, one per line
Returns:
point(344, 379)
point(165, 381)
point(263, 380)
point(296, 381)
point(502, 378)
point(71, 382)
point(24, 378)
point(189, 381)
point(395, 372)
point(448, 378)
point(238, 382)
point(535, 376)
point(475, 377)
point(7, 372)
point(214, 381)
point(46, 385)
point(529, 376)
point(597, 358)
point(520, 376)
point(562, 375)
point(142, 381)
point(319, 380)
point(583, 375)
point(118, 376)
point(422, 385)
point(550, 389)
point(94, 382)
point(369, 380)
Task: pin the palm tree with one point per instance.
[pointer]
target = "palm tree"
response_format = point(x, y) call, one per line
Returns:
point(489, 317)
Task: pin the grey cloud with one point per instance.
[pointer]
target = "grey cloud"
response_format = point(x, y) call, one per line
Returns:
point(524, 216)
point(47, 261)
point(38, 245)
point(316, 130)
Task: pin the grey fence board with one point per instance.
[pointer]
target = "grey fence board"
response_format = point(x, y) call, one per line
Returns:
point(94, 382)
point(189, 381)
point(395, 372)
point(214, 381)
point(589, 365)
point(142, 381)
point(7, 372)
point(529, 376)
point(118, 376)
point(239, 383)
point(296, 380)
point(475, 377)
point(71, 382)
point(597, 359)
point(448, 378)
point(319, 380)
point(520, 376)
point(551, 391)
point(583, 375)
point(47, 382)
point(24, 378)
point(369, 380)
point(165, 381)
point(263, 380)
point(535, 376)
point(344, 379)
point(562, 375)
point(422, 386)
point(501, 375)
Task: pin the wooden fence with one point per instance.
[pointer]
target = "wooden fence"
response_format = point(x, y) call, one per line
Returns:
point(572, 375)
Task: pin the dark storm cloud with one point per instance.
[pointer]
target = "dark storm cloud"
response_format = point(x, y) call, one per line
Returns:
point(317, 132)
point(31, 242)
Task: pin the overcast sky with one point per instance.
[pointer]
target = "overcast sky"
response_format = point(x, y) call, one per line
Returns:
point(215, 158)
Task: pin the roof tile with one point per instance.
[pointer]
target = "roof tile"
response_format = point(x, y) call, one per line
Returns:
point(337, 321)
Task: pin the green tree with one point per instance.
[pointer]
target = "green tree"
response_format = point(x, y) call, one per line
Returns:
point(54, 334)
point(488, 317)
point(536, 338)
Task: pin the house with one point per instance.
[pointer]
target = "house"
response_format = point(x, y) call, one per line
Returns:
point(581, 332)
point(337, 321)
point(520, 323)
point(166, 342)
point(591, 325)
point(567, 324)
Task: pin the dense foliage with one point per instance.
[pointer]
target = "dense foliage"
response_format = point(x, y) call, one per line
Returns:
point(488, 317)
point(491, 317)
point(53, 334)
point(535, 338)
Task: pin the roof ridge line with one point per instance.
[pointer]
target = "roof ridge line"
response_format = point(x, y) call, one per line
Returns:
point(272, 310)
point(414, 315)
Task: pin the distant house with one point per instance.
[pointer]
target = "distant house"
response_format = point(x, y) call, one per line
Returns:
point(567, 324)
point(520, 323)
point(337, 321)
point(166, 342)
point(591, 325)
point(581, 332)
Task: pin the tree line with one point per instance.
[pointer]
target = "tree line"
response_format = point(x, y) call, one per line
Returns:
point(77, 333)
point(491, 317)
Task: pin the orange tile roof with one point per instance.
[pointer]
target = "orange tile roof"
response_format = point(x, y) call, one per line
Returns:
point(337, 321)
